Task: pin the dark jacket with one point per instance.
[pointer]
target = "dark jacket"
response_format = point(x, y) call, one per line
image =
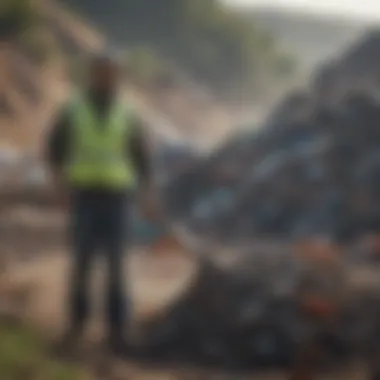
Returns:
point(58, 141)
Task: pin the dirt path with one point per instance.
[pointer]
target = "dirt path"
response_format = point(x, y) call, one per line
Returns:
point(153, 282)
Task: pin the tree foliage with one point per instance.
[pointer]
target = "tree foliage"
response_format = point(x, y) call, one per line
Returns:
point(218, 47)
point(16, 16)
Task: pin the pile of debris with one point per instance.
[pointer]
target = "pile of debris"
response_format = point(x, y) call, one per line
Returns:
point(269, 306)
point(312, 169)
point(310, 173)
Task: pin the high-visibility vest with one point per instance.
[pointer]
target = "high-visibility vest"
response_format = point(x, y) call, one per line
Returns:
point(97, 155)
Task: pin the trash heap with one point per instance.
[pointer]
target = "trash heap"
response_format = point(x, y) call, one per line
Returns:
point(308, 180)
point(269, 305)
point(312, 169)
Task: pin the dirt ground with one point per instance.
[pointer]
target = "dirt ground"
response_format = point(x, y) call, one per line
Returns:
point(35, 256)
point(35, 263)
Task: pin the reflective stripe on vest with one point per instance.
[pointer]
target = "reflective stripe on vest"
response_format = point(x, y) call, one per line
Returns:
point(97, 152)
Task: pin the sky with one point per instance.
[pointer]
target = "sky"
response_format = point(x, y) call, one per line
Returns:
point(367, 9)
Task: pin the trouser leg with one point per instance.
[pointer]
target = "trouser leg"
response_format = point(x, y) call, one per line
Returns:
point(83, 242)
point(116, 298)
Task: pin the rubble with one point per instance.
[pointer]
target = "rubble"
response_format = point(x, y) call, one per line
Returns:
point(311, 169)
point(261, 311)
point(309, 180)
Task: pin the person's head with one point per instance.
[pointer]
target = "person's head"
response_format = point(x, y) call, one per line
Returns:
point(104, 72)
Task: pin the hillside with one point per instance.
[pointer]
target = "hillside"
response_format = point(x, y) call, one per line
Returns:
point(29, 97)
point(214, 47)
point(31, 93)
point(79, 28)
point(312, 38)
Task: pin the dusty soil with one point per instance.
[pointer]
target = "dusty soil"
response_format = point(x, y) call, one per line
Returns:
point(33, 248)
point(35, 263)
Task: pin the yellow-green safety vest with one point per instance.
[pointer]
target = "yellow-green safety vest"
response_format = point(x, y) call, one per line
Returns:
point(97, 155)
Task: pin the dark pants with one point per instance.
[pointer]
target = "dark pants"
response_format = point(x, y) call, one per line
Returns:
point(99, 221)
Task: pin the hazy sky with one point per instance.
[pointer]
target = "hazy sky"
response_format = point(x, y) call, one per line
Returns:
point(361, 8)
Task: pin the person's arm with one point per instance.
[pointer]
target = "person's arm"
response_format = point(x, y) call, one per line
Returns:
point(56, 150)
point(138, 151)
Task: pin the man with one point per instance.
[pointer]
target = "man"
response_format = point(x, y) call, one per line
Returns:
point(96, 156)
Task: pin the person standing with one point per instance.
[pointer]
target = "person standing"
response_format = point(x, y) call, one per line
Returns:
point(97, 157)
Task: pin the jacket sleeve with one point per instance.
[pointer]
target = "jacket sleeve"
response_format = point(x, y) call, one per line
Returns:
point(137, 150)
point(56, 148)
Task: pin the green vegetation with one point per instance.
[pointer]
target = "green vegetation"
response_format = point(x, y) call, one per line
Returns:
point(21, 23)
point(23, 355)
point(219, 48)
point(16, 16)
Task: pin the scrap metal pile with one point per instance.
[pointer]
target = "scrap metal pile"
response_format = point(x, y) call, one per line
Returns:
point(311, 173)
point(313, 169)
point(270, 305)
